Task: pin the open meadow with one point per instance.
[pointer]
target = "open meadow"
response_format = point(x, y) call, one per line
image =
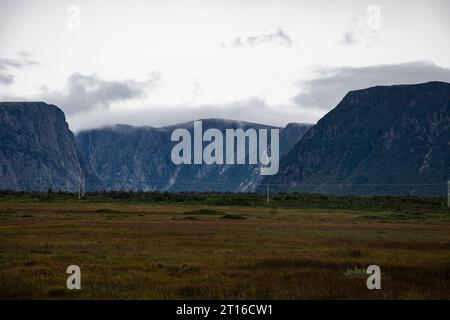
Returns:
point(198, 248)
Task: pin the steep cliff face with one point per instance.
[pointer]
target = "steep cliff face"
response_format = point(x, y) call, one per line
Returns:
point(126, 157)
point(37, 149)
point(385, 139)
point(138, 158)
point(291, 134)
point(38, 152)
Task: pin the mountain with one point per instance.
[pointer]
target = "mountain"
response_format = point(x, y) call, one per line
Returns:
point(126, 157)
point(380, 140)
point(138, 158)
point(37, 149)
point(384, 140)
point(38, 152)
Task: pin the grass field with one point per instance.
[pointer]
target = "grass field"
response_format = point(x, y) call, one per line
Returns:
point(198, 249)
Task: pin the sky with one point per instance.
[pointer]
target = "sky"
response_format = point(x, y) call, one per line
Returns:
point(160, 62)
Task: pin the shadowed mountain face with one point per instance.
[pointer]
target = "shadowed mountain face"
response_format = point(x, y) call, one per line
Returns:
point(37, 149)
point(385, 139)
point(138, 158)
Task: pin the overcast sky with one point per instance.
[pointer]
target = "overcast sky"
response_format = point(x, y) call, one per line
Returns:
point(158, 62)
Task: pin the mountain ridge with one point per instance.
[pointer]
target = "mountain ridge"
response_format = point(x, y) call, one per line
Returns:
point(380, 135)
point(145, 162)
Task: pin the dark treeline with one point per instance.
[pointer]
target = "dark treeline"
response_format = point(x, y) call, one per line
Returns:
point(284, 200)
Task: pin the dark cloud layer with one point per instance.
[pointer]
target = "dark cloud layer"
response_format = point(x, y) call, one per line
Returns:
point(331, 84)
point(87, 92)
point(279, 37)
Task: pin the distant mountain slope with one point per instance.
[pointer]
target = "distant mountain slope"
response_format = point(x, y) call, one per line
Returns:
point(126, 157)
point(138, 158)
point(37, 149)
point(385, 139)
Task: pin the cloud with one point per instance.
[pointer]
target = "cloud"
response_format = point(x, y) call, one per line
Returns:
point(25, 54)
point(7, 64)
point(6, 78)
point(354, 33)
point(350, 37)
point(87, 92)
point(363, 29)
point(279, 37)
point(251, 110)
point(162, 115)
point(23, 61)
point(331, 84)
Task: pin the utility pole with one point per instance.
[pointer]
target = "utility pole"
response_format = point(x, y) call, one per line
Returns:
point(268, 193)
point(83, 187)
point(448, 193)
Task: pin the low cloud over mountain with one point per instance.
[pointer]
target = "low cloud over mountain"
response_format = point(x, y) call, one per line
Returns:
point(330, 85)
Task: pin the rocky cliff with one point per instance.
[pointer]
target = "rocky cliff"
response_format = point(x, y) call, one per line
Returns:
point(384, 140)
point(138, 158)
point(37, 149)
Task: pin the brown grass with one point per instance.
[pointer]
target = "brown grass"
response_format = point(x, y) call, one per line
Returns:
point(154, 252)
